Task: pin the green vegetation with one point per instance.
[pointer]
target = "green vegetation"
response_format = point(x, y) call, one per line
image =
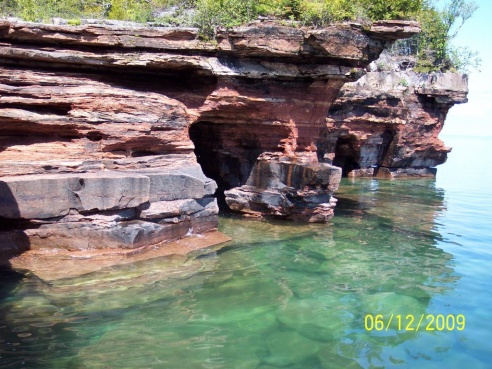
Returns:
point(432, 47)
point(403, 82)
point(216, 13)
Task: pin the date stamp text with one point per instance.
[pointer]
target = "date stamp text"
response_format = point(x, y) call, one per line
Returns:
point(411, 322)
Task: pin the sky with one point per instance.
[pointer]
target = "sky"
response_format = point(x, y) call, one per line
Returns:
point(475, 117)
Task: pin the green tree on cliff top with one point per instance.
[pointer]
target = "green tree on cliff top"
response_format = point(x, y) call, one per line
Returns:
point(439, 27)
point(432, 47)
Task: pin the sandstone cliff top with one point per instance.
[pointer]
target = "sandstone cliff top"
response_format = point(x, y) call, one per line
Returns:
point(348, 41)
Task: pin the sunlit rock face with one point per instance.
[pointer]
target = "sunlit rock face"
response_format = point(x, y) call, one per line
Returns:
point(115, 136)
point(279, 187)
point(387, 123)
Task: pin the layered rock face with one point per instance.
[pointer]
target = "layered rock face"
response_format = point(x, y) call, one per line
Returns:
point(387, 123)
point(269, 127)
point(97, 123)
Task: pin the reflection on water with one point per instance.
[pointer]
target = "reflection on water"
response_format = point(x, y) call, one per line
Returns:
point(280, 295)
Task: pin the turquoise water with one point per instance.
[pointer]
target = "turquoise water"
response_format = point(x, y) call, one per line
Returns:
point(284, 295)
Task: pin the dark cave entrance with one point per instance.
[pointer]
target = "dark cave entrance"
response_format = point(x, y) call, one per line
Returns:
point(227, 153)
point(347, 154)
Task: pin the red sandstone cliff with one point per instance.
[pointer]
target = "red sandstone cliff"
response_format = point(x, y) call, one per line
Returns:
point(387, 123)
point(99, 126)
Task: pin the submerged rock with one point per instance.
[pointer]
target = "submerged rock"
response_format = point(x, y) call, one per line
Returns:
point(316, 319)
point(287, 348)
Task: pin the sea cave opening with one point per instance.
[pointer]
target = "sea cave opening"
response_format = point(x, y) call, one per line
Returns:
point(347, 154)
point(227, 152)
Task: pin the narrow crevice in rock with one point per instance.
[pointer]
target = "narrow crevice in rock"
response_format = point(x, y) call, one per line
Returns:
point(7, 224)
point(387, 139)
point(40, 108)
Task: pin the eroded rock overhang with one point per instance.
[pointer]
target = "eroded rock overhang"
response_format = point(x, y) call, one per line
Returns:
point(95, 123)
point(387, 123)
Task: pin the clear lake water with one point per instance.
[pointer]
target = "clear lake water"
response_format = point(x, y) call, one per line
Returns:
point(286, 295)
